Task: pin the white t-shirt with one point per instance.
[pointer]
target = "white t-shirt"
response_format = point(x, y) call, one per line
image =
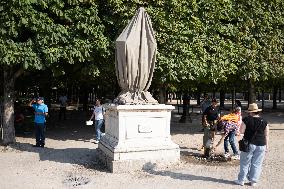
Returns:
point(98, 110)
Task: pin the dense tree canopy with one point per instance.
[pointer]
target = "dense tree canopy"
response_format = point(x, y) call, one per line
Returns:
point(215, 44)
point(210, 41)
point(203, 41)
point(38, 33)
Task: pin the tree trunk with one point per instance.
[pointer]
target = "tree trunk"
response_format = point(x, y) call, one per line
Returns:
point(262, 100)
point(233, 97)
point(279, 96)
point(8, 106)
point(166, 96)
point(222, 99)
point(245, 96)
point(251, 90)
point(162, 95)
point(85, 92)
point(185, 107)
point(198, 98)
point(274, 106)
point(214, 94)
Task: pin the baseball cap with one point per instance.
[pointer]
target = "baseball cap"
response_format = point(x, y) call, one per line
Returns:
point(40, 98)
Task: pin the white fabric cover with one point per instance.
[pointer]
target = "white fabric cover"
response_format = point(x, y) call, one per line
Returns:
point(136, 49)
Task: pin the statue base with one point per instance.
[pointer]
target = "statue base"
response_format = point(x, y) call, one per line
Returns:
point(137, 136)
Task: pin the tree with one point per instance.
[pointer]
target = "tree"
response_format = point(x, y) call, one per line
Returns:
point(259, 38)
point(41, 34)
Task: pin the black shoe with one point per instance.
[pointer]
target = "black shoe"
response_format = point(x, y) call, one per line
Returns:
point(36, 145)
point(42, 146)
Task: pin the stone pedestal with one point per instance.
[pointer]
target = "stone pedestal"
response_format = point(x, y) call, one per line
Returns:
point(136, 136)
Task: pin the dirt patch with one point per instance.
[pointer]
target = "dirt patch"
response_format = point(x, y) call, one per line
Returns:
point(216, 160)
point(76, 180)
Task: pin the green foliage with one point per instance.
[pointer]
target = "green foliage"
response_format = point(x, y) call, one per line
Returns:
point(39, 33)
point(199, 41)
point(260, 39)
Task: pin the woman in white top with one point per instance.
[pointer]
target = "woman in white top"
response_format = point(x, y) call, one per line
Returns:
point(98, 113)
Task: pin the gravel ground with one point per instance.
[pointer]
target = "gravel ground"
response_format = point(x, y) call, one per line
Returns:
point(69, 161)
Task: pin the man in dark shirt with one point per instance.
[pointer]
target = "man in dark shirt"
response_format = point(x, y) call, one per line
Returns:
point(209, 119)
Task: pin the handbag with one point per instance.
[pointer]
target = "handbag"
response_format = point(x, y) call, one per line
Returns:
point(244, 143)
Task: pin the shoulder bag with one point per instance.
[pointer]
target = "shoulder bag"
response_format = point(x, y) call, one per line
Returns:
point(244, 143)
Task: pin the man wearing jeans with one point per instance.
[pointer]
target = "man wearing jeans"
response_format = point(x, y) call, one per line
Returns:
point(99, 119)
point(230, 124)
point(209, 119)
point(40, 111)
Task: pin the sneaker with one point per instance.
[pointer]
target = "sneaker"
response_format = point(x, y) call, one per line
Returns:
point(252, 183)
point(96, 142)
point(37, 145)
point(226, 155)
point(239, 182)
point(236, 157)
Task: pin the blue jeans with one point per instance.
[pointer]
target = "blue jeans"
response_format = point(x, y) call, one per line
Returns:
point(251, 163)
point(98, 126)
point(231, 139)
point(39, 132)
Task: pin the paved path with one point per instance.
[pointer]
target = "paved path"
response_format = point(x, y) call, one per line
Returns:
point(69, 161)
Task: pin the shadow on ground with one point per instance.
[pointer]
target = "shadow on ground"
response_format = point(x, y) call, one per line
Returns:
point(73, 128)
point(149, 168)
point(81, 156)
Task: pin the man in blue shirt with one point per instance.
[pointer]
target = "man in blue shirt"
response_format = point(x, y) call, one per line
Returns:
point(41, 111)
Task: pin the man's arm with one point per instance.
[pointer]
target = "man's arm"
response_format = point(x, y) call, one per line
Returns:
point(46, 111)
point(103, 111)
point(93, 114)
point(243, 128)
point(204, 119)
point(31, 102)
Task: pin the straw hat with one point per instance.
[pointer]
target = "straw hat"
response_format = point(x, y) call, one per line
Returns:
point(253, 108)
